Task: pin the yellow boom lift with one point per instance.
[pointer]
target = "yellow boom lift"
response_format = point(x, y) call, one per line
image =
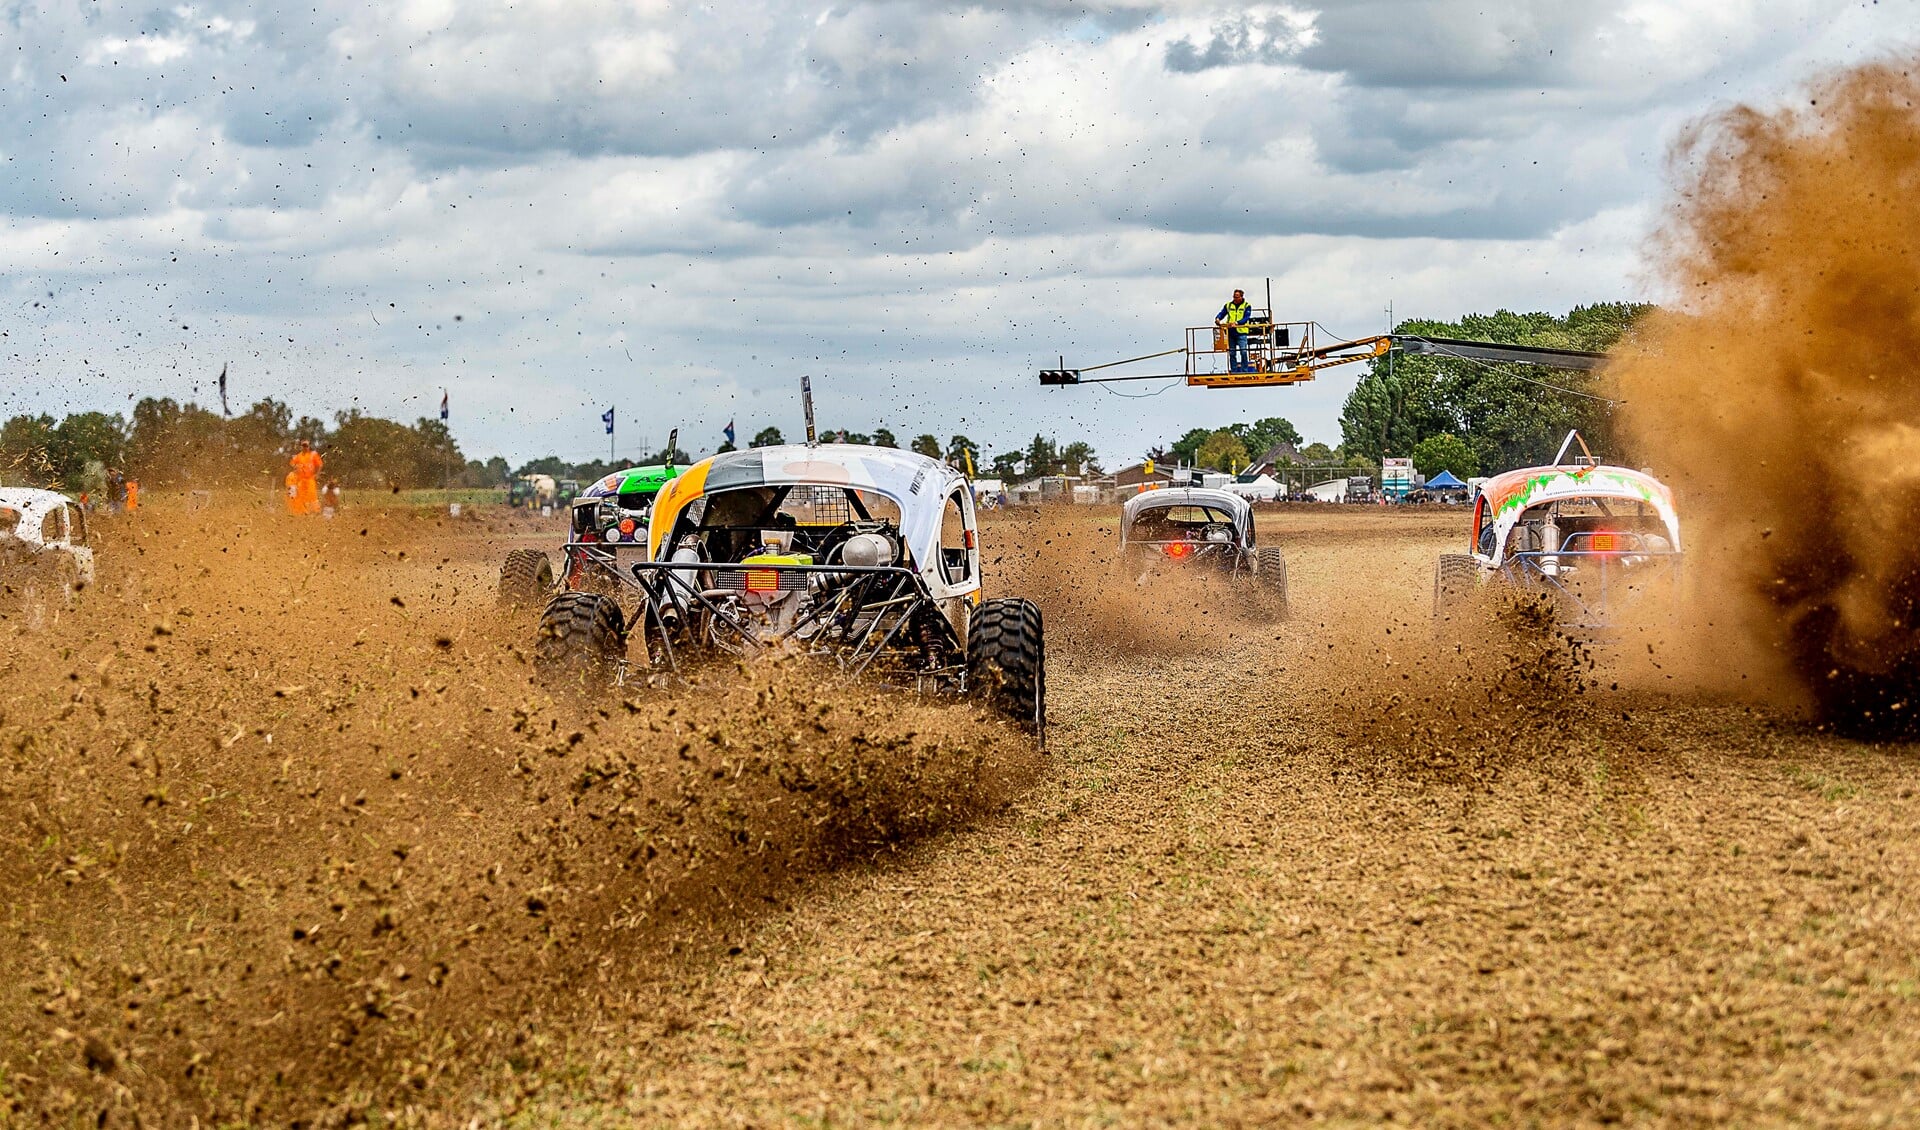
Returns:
point(1288, 353)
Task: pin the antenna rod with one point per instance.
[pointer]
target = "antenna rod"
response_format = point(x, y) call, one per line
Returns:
point(806, 405)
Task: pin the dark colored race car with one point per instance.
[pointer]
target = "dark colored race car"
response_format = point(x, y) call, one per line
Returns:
point(613, 510)
point(1194, 533)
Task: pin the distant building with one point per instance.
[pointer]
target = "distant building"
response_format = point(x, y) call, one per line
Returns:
point(1129, 479)
point(1270, 460)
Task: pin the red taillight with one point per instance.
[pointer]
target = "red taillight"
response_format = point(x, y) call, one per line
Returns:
point(1604, 543)
point(626, 525)
point(589, 535)
point(763, 580)
point(1180, 549)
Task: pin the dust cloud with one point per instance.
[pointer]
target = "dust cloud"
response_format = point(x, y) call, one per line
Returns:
point(288, 833)
point(1777, 391)
point(1067, 559)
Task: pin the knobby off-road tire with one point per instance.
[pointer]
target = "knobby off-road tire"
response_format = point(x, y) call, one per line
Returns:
point(1456, 591)
point(581, 640)
point(1007, 662)
point(1271, 578)
point(526, 579)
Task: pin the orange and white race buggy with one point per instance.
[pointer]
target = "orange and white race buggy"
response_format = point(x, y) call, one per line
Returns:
point(1590, 539)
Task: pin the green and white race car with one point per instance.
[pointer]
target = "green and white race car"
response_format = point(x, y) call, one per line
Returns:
point(613, 510)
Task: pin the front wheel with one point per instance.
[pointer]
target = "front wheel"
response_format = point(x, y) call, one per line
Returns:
point(1006, 662)
point(582, 637)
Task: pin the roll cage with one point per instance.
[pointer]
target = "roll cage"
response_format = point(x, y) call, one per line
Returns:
point(1581, 534)
point(742, 558)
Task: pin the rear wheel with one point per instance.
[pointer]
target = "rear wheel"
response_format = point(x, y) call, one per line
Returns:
point(526, 578)
point(1006, 662)
point(1271, 576)
point(582, 636)
point(1455, 587)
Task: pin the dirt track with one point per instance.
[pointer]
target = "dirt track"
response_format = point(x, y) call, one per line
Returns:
point(1324, 869)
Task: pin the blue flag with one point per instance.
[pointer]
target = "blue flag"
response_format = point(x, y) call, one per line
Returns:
point(443, 404)
point(729, 431)
point(607, 419)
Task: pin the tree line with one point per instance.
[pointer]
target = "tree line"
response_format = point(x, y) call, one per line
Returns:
point(1474, 417)
point(1467, 417)
point(168, 444)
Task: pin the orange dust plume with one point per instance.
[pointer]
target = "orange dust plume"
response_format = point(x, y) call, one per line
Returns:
point(1778, 388)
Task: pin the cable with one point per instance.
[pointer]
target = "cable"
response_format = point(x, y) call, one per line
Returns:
point(1444, 351)
point(1136, 395)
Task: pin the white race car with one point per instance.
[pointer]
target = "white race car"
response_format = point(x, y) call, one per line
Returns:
point(1588, 538)
point(44, 555)
point(864, 557)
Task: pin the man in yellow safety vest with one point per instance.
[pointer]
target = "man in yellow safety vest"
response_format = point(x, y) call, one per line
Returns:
point(1236, 318)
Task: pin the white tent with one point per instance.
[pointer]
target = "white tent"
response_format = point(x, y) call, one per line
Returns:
point(1333, 490)
point(1262, 489)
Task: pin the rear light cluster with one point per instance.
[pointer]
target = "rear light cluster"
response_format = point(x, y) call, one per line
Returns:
point(627, 530)
point(1605, 543)
point(1179, 550)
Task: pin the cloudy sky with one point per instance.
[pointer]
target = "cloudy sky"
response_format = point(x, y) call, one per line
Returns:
point(549, 206)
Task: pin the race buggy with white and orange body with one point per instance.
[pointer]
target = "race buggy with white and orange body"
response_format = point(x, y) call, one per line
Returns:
point(867, 558)
point(1595, 542)
point(612, 510)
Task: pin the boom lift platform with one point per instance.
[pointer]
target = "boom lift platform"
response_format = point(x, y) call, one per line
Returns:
point(1288, 353)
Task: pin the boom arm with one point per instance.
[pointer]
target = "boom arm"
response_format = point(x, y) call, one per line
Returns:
point(1271, 360)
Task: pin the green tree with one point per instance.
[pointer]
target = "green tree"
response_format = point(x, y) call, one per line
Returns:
point(1222, 451)
point(767, 437)
point(85, 438)
point(1006, 466)
point(724, 448)
point(1078, 458)
point(370, 452)
point(264, 433)
point(678, 457)
point(1444, 451)
point(1318, 453)
point(436, 457)
point(1260, 436)
point(884, 438)
point(1187, 448)
point(927, 445)
point(1042, 457)
point(957, 449)
point(1510, 415)
point(26, 444)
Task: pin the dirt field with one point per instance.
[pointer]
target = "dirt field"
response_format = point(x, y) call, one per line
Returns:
point(289, 835)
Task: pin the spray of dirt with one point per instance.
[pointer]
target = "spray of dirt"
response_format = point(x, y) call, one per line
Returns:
point(1498, 688)
point(1068, 560)
point(1778, 390)
point(288, 832)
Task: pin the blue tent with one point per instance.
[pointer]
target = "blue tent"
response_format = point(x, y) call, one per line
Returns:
point(1444, 481)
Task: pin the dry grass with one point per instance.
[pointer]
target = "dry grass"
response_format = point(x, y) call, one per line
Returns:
point(1241, 889)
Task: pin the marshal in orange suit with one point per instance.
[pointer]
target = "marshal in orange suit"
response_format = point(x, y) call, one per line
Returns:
point(303, 493)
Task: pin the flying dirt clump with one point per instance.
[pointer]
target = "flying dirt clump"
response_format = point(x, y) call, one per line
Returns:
point(288, 834)
point(1512, 692)
point(1779, 390)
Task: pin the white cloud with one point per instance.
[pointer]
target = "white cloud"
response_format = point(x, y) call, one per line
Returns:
point(550, 205)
